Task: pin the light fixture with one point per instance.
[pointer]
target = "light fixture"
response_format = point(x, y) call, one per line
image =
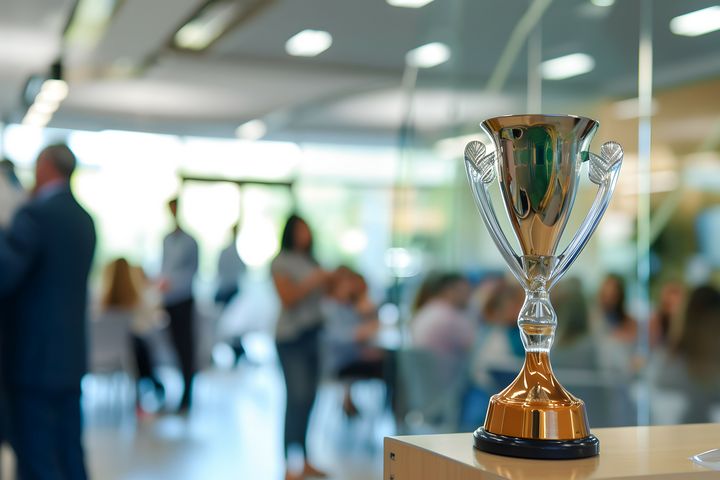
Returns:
point(697, 23)
point(408, 3)
point(208, 25)
point(252, 130)
point(52, 91)
point(36, 119)
point(44, 107)
point(89, 22)
point(47, 100)
point(308, 43)
point(428, 55)
point(603, 3)
point(567, 66)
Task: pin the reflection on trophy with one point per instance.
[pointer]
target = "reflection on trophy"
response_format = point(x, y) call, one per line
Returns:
point(537, 159)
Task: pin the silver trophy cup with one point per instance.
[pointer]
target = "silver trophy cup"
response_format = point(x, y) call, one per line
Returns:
point(537, 160)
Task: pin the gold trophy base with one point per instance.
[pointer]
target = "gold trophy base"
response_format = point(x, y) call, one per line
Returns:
point(535, 417)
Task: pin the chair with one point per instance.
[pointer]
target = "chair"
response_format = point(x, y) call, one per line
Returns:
point(430, 389)
point(110, 381)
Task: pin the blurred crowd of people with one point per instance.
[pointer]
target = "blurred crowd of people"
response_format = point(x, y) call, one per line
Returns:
point(462, 341)
point(47, 248)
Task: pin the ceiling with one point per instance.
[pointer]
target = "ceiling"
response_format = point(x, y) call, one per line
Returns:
point(132, 79)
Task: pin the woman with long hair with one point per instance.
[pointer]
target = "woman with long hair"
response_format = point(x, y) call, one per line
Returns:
point(616, 319)
point(123, 294)
point(300, 284)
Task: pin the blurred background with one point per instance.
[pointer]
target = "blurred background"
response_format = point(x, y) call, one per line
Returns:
point(354, 115)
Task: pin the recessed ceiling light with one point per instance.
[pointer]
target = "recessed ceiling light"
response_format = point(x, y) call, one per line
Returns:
point(567, 66)
point(603, 3)
point(252, 130)
point(308, 43)
point(696, 23)
point(428, 56)
point(408, 3)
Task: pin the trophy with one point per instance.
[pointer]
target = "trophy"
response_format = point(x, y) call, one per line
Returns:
point(537, 159)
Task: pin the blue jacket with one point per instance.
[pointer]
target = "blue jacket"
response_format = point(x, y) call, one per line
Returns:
point(45, 260)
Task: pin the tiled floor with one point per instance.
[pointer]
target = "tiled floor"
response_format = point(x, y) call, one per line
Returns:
point(234, 432)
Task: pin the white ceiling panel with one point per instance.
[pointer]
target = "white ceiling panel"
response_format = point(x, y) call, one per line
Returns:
point(141, 27)
point(193, 88)
point(354, 86)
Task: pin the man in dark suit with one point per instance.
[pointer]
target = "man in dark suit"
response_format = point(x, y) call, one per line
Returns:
point(45, 259)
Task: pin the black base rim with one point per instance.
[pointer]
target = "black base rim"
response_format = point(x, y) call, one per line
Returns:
point(540, 449)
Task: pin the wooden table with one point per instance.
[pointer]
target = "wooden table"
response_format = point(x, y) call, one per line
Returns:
point(625, 453)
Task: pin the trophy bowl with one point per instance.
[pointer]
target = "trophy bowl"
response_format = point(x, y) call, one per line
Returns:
point(537, 161)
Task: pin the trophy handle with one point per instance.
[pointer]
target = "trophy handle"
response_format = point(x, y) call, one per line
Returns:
point(480, 168)
point(604, 170)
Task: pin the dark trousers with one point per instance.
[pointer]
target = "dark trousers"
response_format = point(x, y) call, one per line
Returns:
point(46, 434)
point(143, 359)
point(182, 333)
point(300, 361)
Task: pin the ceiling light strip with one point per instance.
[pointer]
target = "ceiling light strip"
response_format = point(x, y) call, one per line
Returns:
point(517, 39)
point(46, 103)
point(212, 21)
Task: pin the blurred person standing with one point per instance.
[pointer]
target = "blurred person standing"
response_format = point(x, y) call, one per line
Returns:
point(124, 297)
point(179, 267)
point(12, 194)
point(300, 284)
point(45, 259)
point(230, 269)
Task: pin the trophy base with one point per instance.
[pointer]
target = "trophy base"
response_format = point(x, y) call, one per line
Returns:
point(539, 449)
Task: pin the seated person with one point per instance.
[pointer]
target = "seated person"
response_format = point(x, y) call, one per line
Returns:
point(692, 363)
point(128, 295)
point(441, 324)
point(499, 352)
point(351, 323)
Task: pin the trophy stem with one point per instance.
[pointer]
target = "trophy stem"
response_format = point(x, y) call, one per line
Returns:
point(537, 321)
